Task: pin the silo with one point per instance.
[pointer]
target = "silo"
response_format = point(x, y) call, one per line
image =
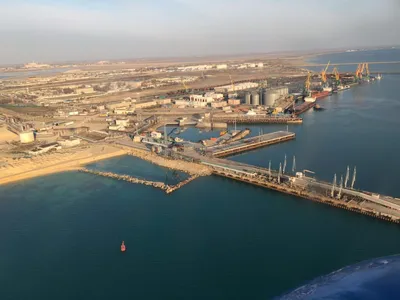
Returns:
point(255, 99)
point(261, 92)
point(269, 97)
point(247, 98)
point(27, 137)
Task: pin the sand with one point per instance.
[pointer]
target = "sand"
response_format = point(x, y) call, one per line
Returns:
point(64, 160)
point(73, 159)
point(7, 136)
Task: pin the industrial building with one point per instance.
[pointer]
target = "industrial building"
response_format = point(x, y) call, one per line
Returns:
point(265, 97)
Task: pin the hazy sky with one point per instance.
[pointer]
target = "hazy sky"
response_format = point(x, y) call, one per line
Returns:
point(62, 30)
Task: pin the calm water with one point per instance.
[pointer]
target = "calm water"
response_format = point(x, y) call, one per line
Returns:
point(6, 75)
point(214, 238)
point(384, 55)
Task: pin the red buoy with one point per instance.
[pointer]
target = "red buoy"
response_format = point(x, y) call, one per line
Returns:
point(123, 247)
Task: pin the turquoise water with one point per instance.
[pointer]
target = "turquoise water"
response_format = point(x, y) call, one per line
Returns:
point(129, 165)
point(214, 238)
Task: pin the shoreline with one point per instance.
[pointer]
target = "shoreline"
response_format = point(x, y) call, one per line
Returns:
point(68, 165)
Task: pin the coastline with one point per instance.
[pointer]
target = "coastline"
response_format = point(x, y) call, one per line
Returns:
point(64, 166)
point(93, 154)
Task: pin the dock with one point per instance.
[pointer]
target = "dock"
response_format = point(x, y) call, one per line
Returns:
point(258, 119)
point(340, 196)
point(251, 143)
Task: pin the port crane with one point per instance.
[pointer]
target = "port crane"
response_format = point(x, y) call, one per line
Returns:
point(337, 76)
point(323, 73)
point(307, 84)
point(233, 85)
point(367, 71)
point(358, 72)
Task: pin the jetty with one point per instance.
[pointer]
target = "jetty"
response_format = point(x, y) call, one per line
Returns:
point(251, 143)
point(244, 119)
point(160, 185)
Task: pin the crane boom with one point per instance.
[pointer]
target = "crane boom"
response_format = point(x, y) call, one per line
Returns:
point(307, 84)
point(233, 86)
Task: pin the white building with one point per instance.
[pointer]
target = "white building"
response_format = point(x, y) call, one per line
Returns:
point(201, 99)
point(69, 143)
point(124, 122)
point(27, 137)
point(215, 96)
point(222, 67)
point(156, 135)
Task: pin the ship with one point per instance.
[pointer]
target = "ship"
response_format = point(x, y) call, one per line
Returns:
point(319, 95)
point(310, 99)
point(303, 107)
point(327, 89)
point(343, 87)
point(379, 77)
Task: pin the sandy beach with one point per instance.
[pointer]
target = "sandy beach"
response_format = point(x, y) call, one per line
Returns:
point(74, 159)
point(61, 161)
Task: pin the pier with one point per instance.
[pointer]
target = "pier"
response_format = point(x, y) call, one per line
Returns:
point(339, 196)
point(258, 119)
point(251, 143)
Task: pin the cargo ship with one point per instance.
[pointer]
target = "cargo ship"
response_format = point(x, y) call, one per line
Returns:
point(319, 95)
point(303, 107)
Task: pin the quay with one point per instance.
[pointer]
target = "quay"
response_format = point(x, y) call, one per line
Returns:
point(378, 206)
point(350, 206)
point(258, 119)
point(250, 143)
point(298, 184)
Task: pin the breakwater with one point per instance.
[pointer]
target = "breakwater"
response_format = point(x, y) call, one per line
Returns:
point(160, 185)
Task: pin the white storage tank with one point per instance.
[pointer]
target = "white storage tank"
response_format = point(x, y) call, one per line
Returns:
point(270, 97)
point(247, 98)
point(27, 137)
point(255, 99)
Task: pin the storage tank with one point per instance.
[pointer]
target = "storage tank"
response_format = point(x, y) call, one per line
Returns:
point(247, 98)
point(27, 137)
point(255, 99)
point(269, 97)
point(261, 92)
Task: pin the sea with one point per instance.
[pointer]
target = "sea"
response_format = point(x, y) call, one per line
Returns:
point(214, 238)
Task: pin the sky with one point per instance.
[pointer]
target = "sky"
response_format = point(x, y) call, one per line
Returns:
point(74, 30)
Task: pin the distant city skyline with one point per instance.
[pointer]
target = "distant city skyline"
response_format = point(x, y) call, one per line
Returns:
point(78, 30)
